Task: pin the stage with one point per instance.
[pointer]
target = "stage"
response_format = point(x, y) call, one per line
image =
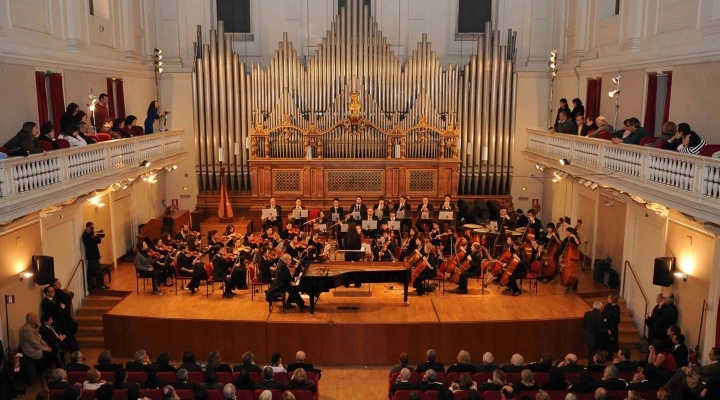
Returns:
point(355, 326)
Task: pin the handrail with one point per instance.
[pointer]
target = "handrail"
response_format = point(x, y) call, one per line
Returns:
point(72, 276)
point(628, 265)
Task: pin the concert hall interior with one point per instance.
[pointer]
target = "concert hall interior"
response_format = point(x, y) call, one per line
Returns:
point(356, 179)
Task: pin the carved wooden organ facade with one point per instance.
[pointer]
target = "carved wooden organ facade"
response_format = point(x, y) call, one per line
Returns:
point(353, 119)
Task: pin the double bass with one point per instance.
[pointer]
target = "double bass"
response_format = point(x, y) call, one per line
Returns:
point(549, 254)
point(569, 260)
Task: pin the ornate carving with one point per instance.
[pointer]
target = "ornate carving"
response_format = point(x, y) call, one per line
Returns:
point(287, 181)
point(422, 181)
point(402, 148)
point(389, 147)
point(350, 181)
point(253, 148)
point(319, 147)
point(267, 148)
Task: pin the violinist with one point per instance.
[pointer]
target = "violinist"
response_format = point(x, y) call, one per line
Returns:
point(385, 251)
point(271, 236)
point(164, 262)
point(266, 264)
point(520, 270)
point(409, 244)
point(353, 241)
point(274, 221)
point(392, 218)
point(299, 221)
point(190, 265)
point(316, 245)
point(435, 234)
point(230, 236)
point(214, 245)
point(425, 206)
point(475, 258)
point(431, 255)
point(296, 247)
point(168, 241)
point(380, 209)
point(145, 267)
point(221, 265)
point(182, 236)
point(358, 207)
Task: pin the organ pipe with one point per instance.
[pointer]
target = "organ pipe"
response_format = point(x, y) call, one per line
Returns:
point(278, 109)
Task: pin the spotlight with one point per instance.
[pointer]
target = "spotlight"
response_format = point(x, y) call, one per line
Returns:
point(540, 167)
point(594, 186)
point(158, 63)
point(613, 93)
point(174, 167)
point(25, 275)
point(556, 180)
point(145, 163)
point(588, 183)
point(681, 275)
point(616, 79)
point(159, 70)
point(564, 161)
point(581, 181)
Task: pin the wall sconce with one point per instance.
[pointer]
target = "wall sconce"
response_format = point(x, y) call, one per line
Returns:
point(25, 275)
point(564, 161)
point(681, 275)
point(145, 163)
point(540, 167)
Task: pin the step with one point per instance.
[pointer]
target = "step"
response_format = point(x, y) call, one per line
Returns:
point(93, 310)
point(603, 300)
point(109, 301)
point(86, 342)
point(90, 330)
point(628, 337)
point(89, 319)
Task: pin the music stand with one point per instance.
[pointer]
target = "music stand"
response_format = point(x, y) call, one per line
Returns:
point(400, 214)
point(300, 213)
point(394, 225)
point(425, 215)
point(335, 217)
point(356, 215)
point(446, 215)
point(369, 225)
point(494, 226)
point(268, 213)
point(322, 227)
point(344, 228)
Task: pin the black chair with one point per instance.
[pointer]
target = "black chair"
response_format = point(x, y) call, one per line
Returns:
point(274, 298)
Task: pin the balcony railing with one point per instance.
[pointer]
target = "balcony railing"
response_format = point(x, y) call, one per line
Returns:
point(686, 182)
point(28, 179)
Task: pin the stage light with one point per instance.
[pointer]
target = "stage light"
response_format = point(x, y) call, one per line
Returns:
point(25, 275)
point(613, 93)
point(158, 52)
point(616, 79)
point(564, 161)
point(581, 181)
point(540, 167)
point(588, 183)
point(145, 163)
point(681, 275)
point(159, 70)
point(594, 186)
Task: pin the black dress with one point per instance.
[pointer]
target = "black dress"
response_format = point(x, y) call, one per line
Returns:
point(611, 314)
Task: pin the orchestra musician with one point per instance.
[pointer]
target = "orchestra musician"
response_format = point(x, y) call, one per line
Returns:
point(283, 283)
point(521, 269)
point(505, 222)
point(370, 232)
point(421, 224)
point(266, 264)
point(230, 236)
point(164, 261)
point(434, 234)
point(273, 221)
point(403, 205)
point(190, 265)
point(533, 222)
point(353, 241)
point(295, 248)
point(214, 244)
point(287, 232)
point(145, 266)
point(299, 221)
point(385, 251)
point(410, 244)
point(358, 207)
point(182, 236)
point(392, 218)
point(221, 264)
point(271, 235)
point(315, 246)
point(551, 236)
point(475, 258)
point(381, 210)
point(337, 215)
point(431, 256)
point(570, 235)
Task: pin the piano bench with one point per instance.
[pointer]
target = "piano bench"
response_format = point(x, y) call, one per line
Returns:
point(274, 298)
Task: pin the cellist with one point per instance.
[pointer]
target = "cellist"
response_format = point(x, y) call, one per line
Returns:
point(475, 259)
point(571, 235)
point(521, 269)
point(430, 255)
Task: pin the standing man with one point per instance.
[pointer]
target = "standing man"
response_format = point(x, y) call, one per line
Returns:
point(91, 239)
point(594, 326)
point(101, 112)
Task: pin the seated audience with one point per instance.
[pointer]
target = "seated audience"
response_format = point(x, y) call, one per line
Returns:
point(668, 131)
point(68, 117)
point(76, 362)
point(300, 359)
point(430, 363)
point(581, 129)
point(610, 380)
point(601, 394)
point(47, 134)
point(602, 126)
point(106, 127)
point(168, 393)
point(660, 357)
point(104, 392)
point(488, 364)
point(590, 123)
point(25, 142)
point(163, 363)
point(463, 364)
point(105, 363)
point(182, 383)
point(268, 383)
point(140, 363)
point(527, 382)
point(211, 380)
point(72, 135)
point(694, 380)
point(299, 381)
point(59, 380)
point(598, 362)
point(121, 382)
point(131, 129)
point(465, 383)
point(623, 363)
point(569, 364)
point(543, 366)
point(83, 131)
point(496, 383)
point(556, 380)
point(288, 396)
point(266, 395)
point(93, 380)
point(691, 143)
point(516, 364)
point(664, 394)
point(403, 364)
point(645, 379)
point(583, 384)
point(229, 391)
point(543, 395)
point(244, 382)
point(564, 124)
point(679, 351)
point(72, 393)
point(276, 363)
point(429, 382)
point(214, 362)
point(676, 139)
point(152, 381)
point(633, 133)
point(189, 362)
point(117, 131)
point(248, 364)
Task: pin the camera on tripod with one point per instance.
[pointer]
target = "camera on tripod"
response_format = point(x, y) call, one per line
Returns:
point(100, 233)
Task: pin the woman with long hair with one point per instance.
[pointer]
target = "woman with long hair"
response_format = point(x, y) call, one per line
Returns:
point(117, 131)
point(145, 267)
point(153, 114)
point(25, 142)
point(578, 109)
point(68, 117)
point(352, 242)
point(131, 129)
point(611, 315)
point(72, 135)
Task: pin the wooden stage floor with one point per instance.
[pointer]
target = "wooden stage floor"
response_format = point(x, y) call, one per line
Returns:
point(351, 326)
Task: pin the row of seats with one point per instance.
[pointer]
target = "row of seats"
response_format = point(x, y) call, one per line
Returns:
point(193, 377)
point(156, 394)
point(511, 377)
point(496, 395)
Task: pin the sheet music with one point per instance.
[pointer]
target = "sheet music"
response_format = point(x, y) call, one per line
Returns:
point(425, 215)
point(356, 215)
point(300, 213)
point(269, 213)
point(369, 225)
point(335, 217)
point(494, 225)
point(400, 214)
point(394, 225)
point(446, 215)
point(322, 227)
point(343, 227)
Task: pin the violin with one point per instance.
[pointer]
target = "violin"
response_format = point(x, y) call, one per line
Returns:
point(155, 254)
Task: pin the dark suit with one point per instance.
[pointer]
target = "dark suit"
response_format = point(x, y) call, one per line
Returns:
point(269, 385)
point(61, 385)
point(185, 386)
point(512, 368)
point(596, 367)
point(107, 367)
point(54, 309)
point(278, 220)
point(433, 365)
point(612, 384)
point(76, 367)
point(461, 368)
point(443, 392)
point(403, 386)
point(361, 208)
point(381, 214)
point(420, 221)
point(339, 211)
point(52, 339)
point(283, 283)
point(306, 367)
point(680, 354)
point(627, 366)
point(594, 331)
point(566, 126)
point(135, 366)
point(248, 368)
point(539, 367)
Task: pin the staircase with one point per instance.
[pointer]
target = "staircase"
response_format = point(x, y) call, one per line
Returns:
point(90, 321)
point(628, 335)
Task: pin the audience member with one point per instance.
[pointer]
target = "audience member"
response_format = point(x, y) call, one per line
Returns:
point(693, 380)
point(243, 381)
point(169, 393)
point(33, 347)
point(25, 142)
point(463, 364)
point(117, 131)
point(668, 131)
point(543, 395)
point(610, 380)
point(556, 380)
point(83, 131)
point(153, 114)
point(105, 363)
point(276, 363)
point(299, 381)
point(80, 116)
point(583, 384)
point(578, 108)
point(527, 382)
point(403, 364)
point(59, 380)
point(465, 383)
point(152, 381)
point(101, 112)
point(598, 362)
point(72, 393)
point(680, 351)
point(47, 134)
point(563, 107)
point(496, 383)
point(288, 396)
point(623, 363)
point(660, 357)
point(140, 363)
point(430, 363)
point(104, 392)
point(189, 362)
point(121, 382)
point(488, 363)
point(564, 124)
point(76, 363)
point(580, 128)
point(268, 383)
point(131, 129)
point(93, 380)
point(182, 383)
point(300, 362)
point(248, 364)
point(569, 364)
point(106, 127)
point(633, 133)
point(676, 139)
point(57, 341)
point(266, 395)
point(600, 394)
point(544, 365)
point(602, 126)
point(163, 363)
point(645, 379)
point(590, 123)
point(516, 364)
point(403, 383)
point(691, 143)
point(211, 380)
point(72, 135)
point(429, 382)
point(68, 117)
point(216, 363)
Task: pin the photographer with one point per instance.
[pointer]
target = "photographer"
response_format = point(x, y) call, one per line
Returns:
point(91, 239)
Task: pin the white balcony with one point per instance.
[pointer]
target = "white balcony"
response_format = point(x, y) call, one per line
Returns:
point(685, 182)
point(29, 184)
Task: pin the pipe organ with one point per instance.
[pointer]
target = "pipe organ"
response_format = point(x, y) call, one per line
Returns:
point(352, 118)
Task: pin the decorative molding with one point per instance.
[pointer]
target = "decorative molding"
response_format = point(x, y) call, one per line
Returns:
point(76, 45)
point(169, 10)
point(539, 10)
point(132, 55)
point(632, 45)
point(712, 28)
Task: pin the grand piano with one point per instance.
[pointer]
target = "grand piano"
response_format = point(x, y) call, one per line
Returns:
point(319, 278)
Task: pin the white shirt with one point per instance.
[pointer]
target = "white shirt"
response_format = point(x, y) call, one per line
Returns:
point(74, 141)
point(279, 368)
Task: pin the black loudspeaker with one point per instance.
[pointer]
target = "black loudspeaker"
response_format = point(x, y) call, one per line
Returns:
point(43, 270)
point(664, 270)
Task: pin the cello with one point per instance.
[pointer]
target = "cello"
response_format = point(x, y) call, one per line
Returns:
point(455, 278)
point(549, 254)
point(495, 267)
point(511, 265)
point(569, 260)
